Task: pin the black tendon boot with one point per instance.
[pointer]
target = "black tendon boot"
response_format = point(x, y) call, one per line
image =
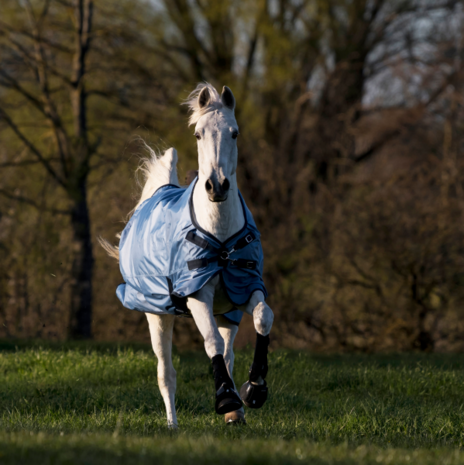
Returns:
point(227, 399)
point(253, 394)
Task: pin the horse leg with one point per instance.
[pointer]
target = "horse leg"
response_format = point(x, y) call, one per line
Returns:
point(254, 391)
point(201, 307)
point(161, 327)
point(228, 332)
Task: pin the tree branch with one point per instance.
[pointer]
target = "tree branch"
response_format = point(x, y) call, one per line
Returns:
point(31, 147)
point(392, 134)
point(19, 198)
point(24, 163)
point(53, 116)
point(29, 35)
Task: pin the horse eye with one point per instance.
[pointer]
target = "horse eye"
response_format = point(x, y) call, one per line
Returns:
point(234, 135)
point(197, 136)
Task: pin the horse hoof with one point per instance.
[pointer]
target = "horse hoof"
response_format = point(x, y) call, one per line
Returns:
point(235, 418)
point(227, 400)
point(254, 395)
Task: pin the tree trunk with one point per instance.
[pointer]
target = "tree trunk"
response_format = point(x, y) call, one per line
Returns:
point(81, 292)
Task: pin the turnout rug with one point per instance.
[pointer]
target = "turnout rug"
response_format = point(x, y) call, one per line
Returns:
point(165, 256)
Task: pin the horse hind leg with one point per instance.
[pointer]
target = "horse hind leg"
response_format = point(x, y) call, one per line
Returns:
point(161, 327)
point(228, 332)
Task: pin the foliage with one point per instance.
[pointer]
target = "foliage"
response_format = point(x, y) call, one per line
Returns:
point(349, 158)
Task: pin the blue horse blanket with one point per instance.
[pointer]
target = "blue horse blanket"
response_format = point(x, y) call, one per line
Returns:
point(165, 256)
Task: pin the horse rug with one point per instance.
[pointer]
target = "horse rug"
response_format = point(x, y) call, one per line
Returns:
point(165, 256)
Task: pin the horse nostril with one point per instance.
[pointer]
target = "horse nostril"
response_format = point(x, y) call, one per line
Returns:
point(209, 186)
point(226, 185)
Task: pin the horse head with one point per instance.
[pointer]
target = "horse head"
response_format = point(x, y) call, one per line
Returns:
point(216, 131)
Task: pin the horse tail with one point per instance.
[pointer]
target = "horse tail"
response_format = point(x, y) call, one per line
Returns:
point(157, 170)
point(110, 249)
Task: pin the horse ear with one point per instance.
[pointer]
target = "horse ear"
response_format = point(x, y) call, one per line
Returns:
point(204, 97)
point(228, 98)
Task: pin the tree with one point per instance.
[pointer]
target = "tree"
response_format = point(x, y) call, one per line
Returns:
point(67, 85)
point(326, 91)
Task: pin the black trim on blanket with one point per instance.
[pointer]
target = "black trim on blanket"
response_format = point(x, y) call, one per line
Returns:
point(200, 242)
point(239, 263)
point(180, 303)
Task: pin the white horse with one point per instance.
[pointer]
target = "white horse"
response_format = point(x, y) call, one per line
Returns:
point(218, 211)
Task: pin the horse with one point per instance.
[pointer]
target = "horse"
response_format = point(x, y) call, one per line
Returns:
point(224, 276)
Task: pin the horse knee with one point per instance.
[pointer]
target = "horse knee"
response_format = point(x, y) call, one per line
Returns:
point(263, 317)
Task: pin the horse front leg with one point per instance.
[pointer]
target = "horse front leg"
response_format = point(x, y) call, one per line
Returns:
point(161, 327)
point(228, 332)
point(201, 307)
point(254, 391)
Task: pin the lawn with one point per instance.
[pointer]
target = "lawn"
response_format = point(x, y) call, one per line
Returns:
point(99, 403)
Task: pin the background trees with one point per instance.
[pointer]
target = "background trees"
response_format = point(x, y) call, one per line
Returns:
point(350, 148)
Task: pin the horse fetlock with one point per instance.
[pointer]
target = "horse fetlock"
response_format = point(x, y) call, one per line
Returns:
point(254, 392)
point(227, 398)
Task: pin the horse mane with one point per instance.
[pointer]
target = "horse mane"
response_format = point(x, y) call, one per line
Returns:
point(215, 102)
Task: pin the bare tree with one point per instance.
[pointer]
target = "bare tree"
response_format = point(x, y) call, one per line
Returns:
point(60, 109)
point(31, 48)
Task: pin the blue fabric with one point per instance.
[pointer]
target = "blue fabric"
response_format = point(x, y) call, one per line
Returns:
point(154, 252)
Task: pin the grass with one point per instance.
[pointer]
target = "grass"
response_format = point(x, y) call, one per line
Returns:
point(99, 403)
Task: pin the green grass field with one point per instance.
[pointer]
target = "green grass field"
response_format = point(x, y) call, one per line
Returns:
point(99, 403)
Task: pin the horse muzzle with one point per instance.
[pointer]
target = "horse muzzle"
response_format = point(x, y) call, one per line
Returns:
point(217, 192)
point(217, 198)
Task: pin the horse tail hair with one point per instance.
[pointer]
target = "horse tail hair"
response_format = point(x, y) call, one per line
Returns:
point(110, 249)
point(157, 170)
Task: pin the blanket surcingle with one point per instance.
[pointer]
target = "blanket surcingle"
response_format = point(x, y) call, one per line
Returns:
point(165, 256)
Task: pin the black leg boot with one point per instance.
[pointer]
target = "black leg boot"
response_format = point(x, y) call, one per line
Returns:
point(227, 398)
point(253, 394)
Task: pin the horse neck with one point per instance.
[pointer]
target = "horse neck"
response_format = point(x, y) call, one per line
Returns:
point(221, 219)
